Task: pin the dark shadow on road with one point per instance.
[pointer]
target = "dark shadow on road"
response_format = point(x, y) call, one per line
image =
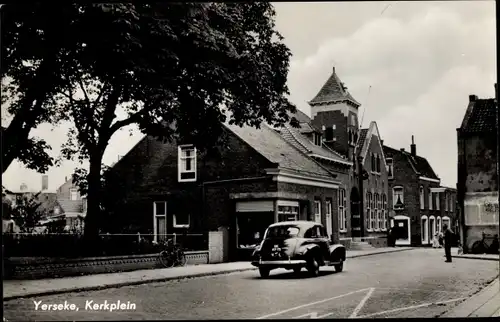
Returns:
point(291, 275)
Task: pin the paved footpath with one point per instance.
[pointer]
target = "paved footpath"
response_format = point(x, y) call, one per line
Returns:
point(414, 283)
point(29, 288)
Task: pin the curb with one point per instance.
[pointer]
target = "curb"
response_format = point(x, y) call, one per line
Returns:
point(158, 280)
point(471, 305)
point(476, 258)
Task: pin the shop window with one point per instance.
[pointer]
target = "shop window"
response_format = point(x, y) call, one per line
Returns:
point(384, 211)
point(424, 229)
point(373, 216)
point(251, 227)
point(288, 213)
point(438, 225)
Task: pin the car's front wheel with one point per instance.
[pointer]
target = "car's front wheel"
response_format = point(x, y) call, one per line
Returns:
point(339, 267)
point(313, 267)
point(264, 272)
point(297, 270)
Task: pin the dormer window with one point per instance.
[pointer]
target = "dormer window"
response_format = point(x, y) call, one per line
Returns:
point(317, 139)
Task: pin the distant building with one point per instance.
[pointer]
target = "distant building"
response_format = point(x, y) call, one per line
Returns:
point(419, 205)
point(478, 172)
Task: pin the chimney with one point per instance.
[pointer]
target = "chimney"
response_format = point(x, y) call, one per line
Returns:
point(45, 182)
point(333, 69)
point(472, 98)
point(402, 150)
point(382, 142)
point(65, 179)
point(413, 147)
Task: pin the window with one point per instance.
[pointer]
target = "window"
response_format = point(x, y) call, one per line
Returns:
point(424, 226)
point(377, 163)
point(422, 202)
point(160, 221)
point(288, 213)
point(329, 133)
point(446, 221)
point(355, 137)
point(384, 210)
point(373, 216)
point(368, 209)
point(282, 231)
point(397, 197)
point(353, 119)
point(438, 225)
point(430, 199)
point(390, 169)
point(373, 162)
point(251, 228)
point(378, 220)
point(437, 200)
point(328, 215)
point(350, 136)
point(452, 203)
point(181, 221)
point(73, 194)
point(317, 139)
point(186, 163)
point(446, 201)
point(342, 210)
point(317, 211)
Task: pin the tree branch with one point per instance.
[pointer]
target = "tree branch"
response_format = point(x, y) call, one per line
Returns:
point(108, 116)
point(80, 82)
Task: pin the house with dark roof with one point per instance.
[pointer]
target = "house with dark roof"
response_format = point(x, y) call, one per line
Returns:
point(478, 172)
point(419, 205)
point(258, 177)
point(335, 124)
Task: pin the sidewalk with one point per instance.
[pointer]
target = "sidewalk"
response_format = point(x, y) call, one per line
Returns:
point(28, 288)
point(486, 303)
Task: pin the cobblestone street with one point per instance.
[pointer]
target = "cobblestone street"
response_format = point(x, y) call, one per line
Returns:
point(416, 283)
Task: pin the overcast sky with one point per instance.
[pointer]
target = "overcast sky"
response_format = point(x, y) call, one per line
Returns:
point(421, 59)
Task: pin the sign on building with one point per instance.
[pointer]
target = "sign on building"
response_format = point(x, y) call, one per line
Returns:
point(481, 208)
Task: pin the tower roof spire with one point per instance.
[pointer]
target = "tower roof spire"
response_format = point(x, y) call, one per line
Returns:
point(334, 90)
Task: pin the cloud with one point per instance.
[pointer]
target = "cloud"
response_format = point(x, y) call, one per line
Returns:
point(421, 71)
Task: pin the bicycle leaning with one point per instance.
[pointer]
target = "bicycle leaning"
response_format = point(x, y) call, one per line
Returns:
point(172, 255)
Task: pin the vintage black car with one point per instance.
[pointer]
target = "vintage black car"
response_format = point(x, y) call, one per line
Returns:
point(296, 244)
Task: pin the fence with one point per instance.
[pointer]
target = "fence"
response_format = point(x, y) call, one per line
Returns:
point(68, 245)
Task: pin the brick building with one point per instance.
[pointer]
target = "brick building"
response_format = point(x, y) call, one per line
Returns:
point(419, 205)
point(477, 172)
point(258, 177)
point(335, 112)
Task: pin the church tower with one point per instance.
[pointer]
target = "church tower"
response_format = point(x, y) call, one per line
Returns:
point(335, 112)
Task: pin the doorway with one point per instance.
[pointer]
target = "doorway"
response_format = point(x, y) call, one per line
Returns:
point(356, 220)
point(402, 230)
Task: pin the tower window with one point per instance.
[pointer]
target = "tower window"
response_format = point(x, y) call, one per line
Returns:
point(329, 133)
point(317, 139)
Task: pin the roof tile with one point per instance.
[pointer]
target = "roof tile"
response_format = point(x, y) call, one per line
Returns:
point(482, 118)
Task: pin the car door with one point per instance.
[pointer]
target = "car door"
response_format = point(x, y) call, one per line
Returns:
point(322, 240)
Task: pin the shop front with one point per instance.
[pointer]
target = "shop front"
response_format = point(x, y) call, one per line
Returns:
point(252, 217)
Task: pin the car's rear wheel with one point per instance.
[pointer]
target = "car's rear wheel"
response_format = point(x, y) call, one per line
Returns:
point(313, 267)
point(297, 270)
point(264, 272)
point(339, 267)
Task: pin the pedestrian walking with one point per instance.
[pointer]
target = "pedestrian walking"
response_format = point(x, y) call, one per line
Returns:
point(448, 236)
point(435, 240)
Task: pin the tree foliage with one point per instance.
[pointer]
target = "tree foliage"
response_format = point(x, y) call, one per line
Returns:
point(175, 70)
point(26, 212)
point(37, 42)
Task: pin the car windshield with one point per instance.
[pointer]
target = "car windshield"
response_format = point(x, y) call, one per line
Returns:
point(282, 231)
